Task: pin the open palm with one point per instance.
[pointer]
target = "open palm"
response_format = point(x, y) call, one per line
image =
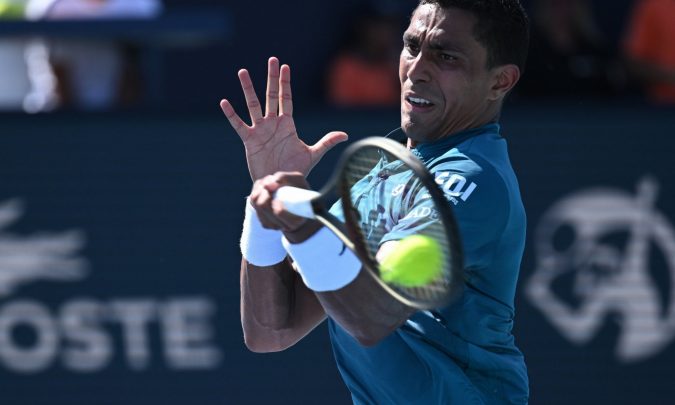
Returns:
point(271, 141)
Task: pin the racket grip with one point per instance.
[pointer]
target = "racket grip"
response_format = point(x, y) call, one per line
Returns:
point(297, 201)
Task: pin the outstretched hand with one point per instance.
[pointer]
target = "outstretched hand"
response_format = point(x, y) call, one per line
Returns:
point(271, 141)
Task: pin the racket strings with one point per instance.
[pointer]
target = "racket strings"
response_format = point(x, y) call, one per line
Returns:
point(364, 175)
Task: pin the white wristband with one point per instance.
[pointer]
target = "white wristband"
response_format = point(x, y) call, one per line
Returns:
point(323, 261)
point(260, 246)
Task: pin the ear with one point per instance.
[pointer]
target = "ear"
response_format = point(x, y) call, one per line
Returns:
point(505, 78)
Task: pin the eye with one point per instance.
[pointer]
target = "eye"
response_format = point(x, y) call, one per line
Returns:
point(411, 47)
point(447, 57)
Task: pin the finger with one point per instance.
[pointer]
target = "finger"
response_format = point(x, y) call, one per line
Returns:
point(252, 101)
point(260, 189)
point(272, 97)
point(255, 192)
point(267, 217)
point(239, 126)
point(271, 183)
point(261, 201)
point(279, 179)
point(286, 220)
point(285, 96)
point(269, 220)
point(327, 143)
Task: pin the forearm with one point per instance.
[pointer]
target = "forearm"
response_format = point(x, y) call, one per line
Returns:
point(266, 294)
point(348, 294)
point(277, 310)
point(356, 300)
point(365, 310)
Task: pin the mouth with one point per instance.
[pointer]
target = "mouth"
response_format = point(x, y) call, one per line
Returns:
point(418, 102)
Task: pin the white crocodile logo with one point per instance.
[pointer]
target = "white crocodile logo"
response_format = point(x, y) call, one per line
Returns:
point(45, 256)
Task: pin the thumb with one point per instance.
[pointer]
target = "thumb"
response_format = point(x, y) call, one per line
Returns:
point(327, 143)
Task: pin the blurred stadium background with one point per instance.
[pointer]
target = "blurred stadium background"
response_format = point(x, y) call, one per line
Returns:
point(122, 191)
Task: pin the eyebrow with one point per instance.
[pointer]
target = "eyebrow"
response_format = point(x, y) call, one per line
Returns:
point(435, 44)
point(410, 37)
point(445, 45)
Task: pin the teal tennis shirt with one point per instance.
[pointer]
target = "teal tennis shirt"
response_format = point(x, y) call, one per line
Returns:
point(464, 353)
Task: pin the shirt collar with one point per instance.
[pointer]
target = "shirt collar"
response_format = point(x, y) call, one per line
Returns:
point(433, 149)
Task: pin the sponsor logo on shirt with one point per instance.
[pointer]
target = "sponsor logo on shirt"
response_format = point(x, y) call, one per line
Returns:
point(455, 187)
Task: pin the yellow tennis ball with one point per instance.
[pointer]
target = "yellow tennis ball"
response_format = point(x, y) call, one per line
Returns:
point(11, 9)
point(416, 261)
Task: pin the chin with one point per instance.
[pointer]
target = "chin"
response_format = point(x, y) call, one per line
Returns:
point(416, 132)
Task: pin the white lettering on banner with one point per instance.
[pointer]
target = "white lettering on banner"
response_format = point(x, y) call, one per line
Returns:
point(455, 186)
point(91, 348)
point(134, 316)
point(187, 334)
point(572, 237)
point(83, 334)
point(36, 317)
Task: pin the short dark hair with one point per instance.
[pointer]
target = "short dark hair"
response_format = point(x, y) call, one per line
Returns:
point(502, 27)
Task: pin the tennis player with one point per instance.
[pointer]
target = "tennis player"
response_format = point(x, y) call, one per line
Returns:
point(460, 59)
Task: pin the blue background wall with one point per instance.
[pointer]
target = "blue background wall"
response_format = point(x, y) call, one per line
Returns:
point(159, 201)
point(148, 203)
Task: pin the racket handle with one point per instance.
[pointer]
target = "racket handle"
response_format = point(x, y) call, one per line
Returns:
point(297, 201)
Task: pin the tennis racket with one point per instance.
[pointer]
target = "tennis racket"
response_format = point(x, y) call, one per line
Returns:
point(381, 177)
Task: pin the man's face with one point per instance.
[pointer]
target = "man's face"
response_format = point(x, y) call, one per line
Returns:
point(445, 83)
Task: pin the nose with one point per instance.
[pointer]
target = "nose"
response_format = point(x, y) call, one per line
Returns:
point(418, 68)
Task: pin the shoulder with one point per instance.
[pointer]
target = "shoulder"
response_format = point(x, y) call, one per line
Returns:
point(465, 175)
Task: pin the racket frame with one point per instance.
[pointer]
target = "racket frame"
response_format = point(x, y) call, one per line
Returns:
point(352, 240)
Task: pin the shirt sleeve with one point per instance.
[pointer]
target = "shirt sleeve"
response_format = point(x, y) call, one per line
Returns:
point(477, 197)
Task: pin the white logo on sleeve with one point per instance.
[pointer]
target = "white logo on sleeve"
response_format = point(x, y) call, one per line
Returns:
point(423, 212)
point(398, 190)
point(456, 187)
